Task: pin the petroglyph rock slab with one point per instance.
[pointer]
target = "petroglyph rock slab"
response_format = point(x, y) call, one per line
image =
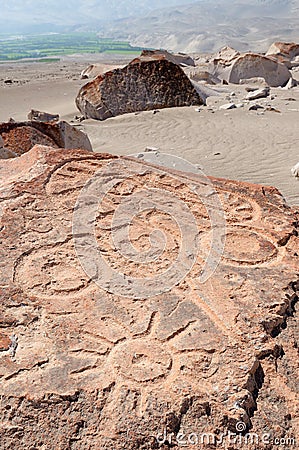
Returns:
point(139, 302)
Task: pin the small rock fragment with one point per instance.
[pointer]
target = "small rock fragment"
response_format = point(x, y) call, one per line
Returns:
point(41, 116)
point(291, 83)
point(295, 170)
point(151, 149)
point(258, 93)
point(255, 107)
point(228, 106)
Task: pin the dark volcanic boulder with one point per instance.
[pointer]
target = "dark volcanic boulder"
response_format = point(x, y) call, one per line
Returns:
point(146, 83)
point(107, 342)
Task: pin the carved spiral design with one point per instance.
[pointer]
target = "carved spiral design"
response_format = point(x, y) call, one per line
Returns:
point(166, 249)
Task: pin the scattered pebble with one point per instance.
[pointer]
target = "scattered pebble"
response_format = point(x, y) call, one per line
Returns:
point(258, 93)
point(255, 107)
point(270, 108)
point(295, 170)
point(151, 149)
point(227, 106)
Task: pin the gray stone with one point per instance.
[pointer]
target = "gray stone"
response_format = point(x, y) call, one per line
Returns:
point(258, 93)
point(41, 116)
point(228, 106)
point(5, 153)
point(291, 83)
point(295, 170)
point(255, 107)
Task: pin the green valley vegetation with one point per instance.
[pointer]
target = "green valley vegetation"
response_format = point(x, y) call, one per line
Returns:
point(43, 46)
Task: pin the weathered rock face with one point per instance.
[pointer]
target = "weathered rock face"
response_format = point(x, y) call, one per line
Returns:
point(285, 53)
point(227, 53)
point(88, 362)
point(176, 58)
point(252, 65)
point(20, 137)
point(288, 50)
point(146, 83)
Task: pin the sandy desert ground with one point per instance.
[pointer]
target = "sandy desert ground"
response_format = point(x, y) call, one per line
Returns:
point(258, 146)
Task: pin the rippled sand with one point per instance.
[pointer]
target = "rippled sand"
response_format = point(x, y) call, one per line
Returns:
point(254, 146)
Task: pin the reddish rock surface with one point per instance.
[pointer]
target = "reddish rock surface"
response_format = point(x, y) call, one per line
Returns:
point(20, 137)
point(149, 82)
point(286, 53)
point(288, 50)
point(83, 366)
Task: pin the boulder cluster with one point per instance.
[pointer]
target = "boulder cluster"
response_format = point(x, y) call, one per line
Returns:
point(149, 82)
point(230, 66)
point(158, 79)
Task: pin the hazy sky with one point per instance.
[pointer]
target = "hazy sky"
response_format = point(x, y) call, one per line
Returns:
point(55, 15)
point(75, 11)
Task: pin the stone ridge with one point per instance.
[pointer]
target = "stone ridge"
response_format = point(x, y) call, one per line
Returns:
point(144, 84)
point(82, 367)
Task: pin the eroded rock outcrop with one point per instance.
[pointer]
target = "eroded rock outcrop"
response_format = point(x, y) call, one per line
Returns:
point(180, 59)
point(88, 361)
point(227, 53)
point(285, 53)
point(20, 137)
point(149, 82)
point(251, 65)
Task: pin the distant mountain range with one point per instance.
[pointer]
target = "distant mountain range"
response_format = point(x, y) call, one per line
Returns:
point(181, 25)
point(207, 25)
